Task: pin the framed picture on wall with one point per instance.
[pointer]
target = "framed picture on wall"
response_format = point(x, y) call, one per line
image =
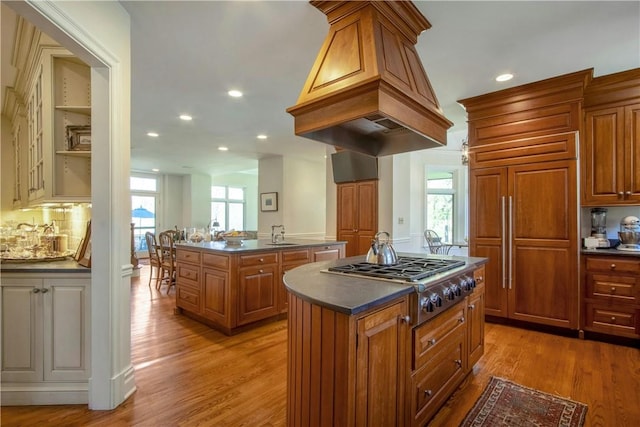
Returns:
point(268, 202)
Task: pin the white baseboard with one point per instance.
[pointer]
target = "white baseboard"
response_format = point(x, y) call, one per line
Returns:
point(18, 394)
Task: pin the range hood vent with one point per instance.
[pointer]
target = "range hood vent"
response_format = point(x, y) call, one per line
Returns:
point(367, 90)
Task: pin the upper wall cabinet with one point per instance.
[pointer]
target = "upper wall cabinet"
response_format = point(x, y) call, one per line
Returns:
point(51, 122)
point(611, 149)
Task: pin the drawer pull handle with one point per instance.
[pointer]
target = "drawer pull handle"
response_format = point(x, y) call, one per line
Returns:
point(261, 271)
point(613, 289)
point(613, 266)
point(461, 320)
point(458, 362)
point(428, 393)
point(480, 279)
point(261, 259)
point(432, 341)
point(472, 306)
point(613, 318)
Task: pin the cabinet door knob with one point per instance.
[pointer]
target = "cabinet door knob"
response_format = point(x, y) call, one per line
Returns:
point(44, 290)
point(480, 279)
point(461, 320)
point(405, 319)
point(36, 290)
point(432, 341)
point(261, 260)
point(613, 266)
point(428, 393)
point(261, 271)
point(628, 193)
point(620, 193)
point(472, 306)
point(613, 318)
point(458, 362)
point(613, 289)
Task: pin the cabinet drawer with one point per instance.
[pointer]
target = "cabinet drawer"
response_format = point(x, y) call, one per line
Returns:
point(613, 287)
point(615, 321)
point(216, 261)
point(297, 255)
point(613, 264)
point(188, 298)
point(191, 257)
point(326, 253)
point(427, 337)
point(260, 259)
point(432, 384)
point(188, 273)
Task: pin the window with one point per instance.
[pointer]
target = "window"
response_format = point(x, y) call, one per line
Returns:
point(441, 203)
point(144, 196)
point(227, 207)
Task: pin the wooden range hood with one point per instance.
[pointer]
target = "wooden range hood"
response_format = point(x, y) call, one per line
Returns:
point(367, 90)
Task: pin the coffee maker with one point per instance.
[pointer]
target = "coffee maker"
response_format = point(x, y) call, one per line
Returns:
point(598, 237)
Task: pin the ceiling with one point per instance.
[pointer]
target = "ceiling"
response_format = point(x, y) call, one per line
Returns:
point(187, 55)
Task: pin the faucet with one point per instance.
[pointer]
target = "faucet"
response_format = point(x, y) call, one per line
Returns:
point(275, 237)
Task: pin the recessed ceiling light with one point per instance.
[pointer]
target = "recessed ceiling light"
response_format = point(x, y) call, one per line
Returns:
point(153, 134)
point(235, 93)
point(155, 170)
point(222, 148)
point(185, 117)
point(504, 77)
point(261, 136)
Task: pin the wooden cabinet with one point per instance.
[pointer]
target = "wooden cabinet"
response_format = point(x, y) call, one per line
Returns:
point(524, 219)
point(381, 366)
point(230, 290)
point(45, 339)
point(475, 318)
point(290, 260)
point(258, 281)
point(440, 362)
point(611, 149)
point(357, 215)
point(612, 295)
point(327, 253)
point(523, 206)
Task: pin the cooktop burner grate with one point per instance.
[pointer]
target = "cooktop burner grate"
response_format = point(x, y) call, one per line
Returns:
point(408, 269)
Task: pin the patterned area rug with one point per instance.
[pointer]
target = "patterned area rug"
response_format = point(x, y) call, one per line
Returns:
point(504, 403)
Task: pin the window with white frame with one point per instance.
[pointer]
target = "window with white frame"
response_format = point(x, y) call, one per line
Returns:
point(441, 203)
point(228, 207)
point(144, 201)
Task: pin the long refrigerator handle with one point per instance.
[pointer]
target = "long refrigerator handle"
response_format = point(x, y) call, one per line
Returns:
point(510, 239)
point(504, 245)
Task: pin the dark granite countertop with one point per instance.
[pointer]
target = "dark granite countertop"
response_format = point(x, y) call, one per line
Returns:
point(352, 295)
point(68, 265)
point(255, 245)
point(610, 252)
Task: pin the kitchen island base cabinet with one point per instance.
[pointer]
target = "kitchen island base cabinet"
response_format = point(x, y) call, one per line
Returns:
point(233, 289)
point(346, 370)
point(372, 368)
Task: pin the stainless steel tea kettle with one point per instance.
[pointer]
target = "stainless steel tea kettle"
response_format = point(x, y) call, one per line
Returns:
point(381, 252)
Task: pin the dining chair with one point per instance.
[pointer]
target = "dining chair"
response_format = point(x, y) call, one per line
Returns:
point(168, 257)
point(436, 246)
point(154, 258)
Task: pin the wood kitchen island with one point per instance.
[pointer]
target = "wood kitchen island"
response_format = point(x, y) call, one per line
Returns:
point(232, 288)
point(359, 355)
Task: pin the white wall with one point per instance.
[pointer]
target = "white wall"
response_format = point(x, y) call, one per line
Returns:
point(196, 200)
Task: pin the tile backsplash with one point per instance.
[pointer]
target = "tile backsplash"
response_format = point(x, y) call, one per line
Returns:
point(71, 220)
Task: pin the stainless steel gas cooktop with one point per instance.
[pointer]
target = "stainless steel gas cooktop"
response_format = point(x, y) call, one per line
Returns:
point(407, 269)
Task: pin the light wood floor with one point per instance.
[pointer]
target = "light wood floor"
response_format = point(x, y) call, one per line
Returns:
point(190, 375)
